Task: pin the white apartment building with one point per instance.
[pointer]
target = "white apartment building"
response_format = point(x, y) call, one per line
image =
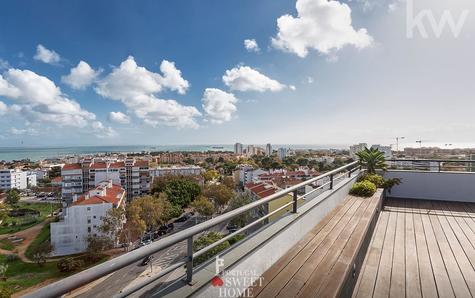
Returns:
point(13, 178)
point(238, 148)
point(282, 153)
point(31, 179)
point(84, 217)
point(251, 150)
point(388, 154)
point(357, 148)
point(176, 171)
point(133, 175)
point(268, 150)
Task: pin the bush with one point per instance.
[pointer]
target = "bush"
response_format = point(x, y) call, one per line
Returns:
point(11, 258)
point(376, 179)
point(70, 265)
point(5, 292)
point(389, 183)
point(363, 189)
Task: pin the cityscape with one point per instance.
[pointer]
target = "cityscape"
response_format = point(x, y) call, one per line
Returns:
point(240, 148)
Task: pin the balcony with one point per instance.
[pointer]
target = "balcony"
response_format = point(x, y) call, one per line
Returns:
point(416, 240)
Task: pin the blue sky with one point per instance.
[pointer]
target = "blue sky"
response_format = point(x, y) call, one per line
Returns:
point(366, 82)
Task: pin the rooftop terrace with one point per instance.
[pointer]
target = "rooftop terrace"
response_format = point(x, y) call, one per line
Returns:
point(418, 240)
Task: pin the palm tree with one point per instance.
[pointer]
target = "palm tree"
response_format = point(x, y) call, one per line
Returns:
point(372, 159)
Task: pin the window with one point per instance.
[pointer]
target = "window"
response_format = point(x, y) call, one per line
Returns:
point(94, 217)
point(89, 229)
point(88, 221)
point(88, 208)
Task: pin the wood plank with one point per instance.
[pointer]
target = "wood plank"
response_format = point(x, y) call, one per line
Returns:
point(328, 221)
point(444, 286)
point(398, 276)
point(369, 271)
point(319, 273)
point(459, 268)
point(383, 281)
point(455, 222)
point(413, 282)
point(296, 274)
point(343, 267)
point(428, 285)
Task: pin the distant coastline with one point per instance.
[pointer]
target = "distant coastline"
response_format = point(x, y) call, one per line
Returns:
point(38, 153)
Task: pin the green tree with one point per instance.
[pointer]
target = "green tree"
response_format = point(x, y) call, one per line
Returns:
point(41, 252)
point(113, 222)
point(238, 201)
point(96, 245)
point(210, 175)
point(13, 196)
point(150, 210)
point(182, 192)
point(203, 206)
point(206, 240)
point(219, 193)
point(372, 159)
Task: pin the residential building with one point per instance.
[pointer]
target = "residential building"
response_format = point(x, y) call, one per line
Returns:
point(268, 150)
point(84, 217)
point(41, 173)
point(31, 179)
point(357, 148)
point(176, 171)
point(132, 174)
point(13, 178)
point(282, 153)
point(471, 166)
point(238, 149)
point(388, 154)
point(250, 150)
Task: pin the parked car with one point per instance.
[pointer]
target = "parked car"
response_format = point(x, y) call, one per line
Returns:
point(232, 228)
point(183, 218)
point(146, 260)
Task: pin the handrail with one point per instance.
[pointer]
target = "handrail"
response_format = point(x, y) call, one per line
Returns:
point(77, 280)
point(433, 160)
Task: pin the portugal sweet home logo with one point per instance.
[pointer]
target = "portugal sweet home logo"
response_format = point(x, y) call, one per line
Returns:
point(234, 283)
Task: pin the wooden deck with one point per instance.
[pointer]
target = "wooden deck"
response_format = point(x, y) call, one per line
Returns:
point(421, 249)
point(321, 264)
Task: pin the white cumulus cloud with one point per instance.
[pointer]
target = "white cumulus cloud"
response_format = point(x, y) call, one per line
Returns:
point(46, 56)
point(136, 87)
point(251, 45)
point(3, 108)
point(323, 25)
point(39, 100)
point(23, 131)
point(219, 105)
point(119, 117)
point(244, 78)
point(81, 76)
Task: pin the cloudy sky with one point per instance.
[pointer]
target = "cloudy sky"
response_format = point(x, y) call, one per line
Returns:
point(210, 71)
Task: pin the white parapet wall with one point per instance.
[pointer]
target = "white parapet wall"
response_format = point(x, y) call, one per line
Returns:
point(445, 186)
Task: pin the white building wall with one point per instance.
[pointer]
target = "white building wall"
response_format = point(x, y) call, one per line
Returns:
point(69, 236)
point(12, 178)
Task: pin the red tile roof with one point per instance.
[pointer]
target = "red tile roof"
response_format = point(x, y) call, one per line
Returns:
point(141, 163)
point(117, 165)
point(98, 165)
point(113, 195)
point(71, 166)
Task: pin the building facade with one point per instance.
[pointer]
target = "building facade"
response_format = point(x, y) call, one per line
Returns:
point(84, 217)
point(176, 171)
point(268, 150)
point(282, 153)
point(238, 148)
point(13, 178)
point(133, 175)
point(357, 148)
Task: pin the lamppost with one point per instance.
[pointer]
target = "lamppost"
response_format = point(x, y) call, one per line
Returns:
point(397, 142)
point(420, 147)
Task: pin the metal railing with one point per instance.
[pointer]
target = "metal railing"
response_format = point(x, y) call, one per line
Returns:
point(433, 165)
point(82, 278)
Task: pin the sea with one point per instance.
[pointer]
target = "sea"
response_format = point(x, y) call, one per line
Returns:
point(39, 153)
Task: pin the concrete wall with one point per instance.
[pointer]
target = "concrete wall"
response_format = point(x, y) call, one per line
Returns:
point(446, 186)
